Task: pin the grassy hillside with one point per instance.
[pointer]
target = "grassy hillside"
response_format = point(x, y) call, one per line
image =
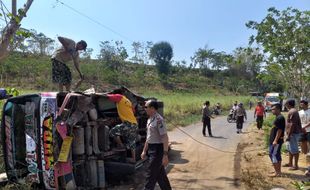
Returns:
point(28, 71)
point(183, 92)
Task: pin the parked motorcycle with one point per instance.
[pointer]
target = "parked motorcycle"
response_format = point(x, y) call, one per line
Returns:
point(217, 110)
point(231, 116)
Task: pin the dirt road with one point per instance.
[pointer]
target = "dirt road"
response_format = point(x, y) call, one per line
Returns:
point(196, 166)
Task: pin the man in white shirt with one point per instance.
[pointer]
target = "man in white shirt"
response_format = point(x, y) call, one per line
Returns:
point(235, 106)
point(156, 145)
point(304, 115)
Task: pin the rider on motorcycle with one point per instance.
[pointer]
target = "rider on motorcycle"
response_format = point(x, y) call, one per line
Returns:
point(217, 109)
point(234, 108)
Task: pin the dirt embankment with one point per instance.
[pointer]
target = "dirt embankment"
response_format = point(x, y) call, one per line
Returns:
point(255, 165)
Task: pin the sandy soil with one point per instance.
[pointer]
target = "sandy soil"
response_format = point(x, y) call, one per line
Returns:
point(256, 165)
point(195, 165)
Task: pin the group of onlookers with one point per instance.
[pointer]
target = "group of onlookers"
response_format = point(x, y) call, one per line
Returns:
point(293, 130)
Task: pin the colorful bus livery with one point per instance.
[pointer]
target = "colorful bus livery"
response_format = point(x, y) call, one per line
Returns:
point(53, 142)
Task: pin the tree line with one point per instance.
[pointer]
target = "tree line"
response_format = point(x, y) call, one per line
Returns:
point(276, 59)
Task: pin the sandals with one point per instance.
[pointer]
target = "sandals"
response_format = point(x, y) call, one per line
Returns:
point(307, 173)
point(293, 168)
point(275, 175)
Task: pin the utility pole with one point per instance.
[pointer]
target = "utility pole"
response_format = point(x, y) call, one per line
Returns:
point(14, 7)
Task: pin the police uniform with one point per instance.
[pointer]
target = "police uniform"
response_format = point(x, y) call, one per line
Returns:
point(156, 171)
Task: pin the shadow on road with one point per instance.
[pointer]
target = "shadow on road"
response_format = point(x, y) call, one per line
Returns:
point(231, 180)
point(175, 157)
point(184, 183)
point(218, 137)
point(225, 179)
point(174, 142)
point(296, 177)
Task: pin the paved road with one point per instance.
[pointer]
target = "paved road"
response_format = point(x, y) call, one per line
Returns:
point(194, 166)
point(197, 166)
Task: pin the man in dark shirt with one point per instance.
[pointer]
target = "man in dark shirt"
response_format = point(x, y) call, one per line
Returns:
point(293, 131)
point(206, 119)
point(276, 140)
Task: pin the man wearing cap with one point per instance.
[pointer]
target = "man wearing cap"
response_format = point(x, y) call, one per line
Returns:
point(156, 145)
point(61, 73)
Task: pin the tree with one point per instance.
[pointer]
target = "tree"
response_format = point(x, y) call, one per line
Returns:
point(17, 42)
point(121, 51)
point(40, 44)
point(137, 52)
point(208, 60)
point(113, 54)
point(11, 28)
point(87, 53)
point(245, 62)
point(146, 52)
point(107, 51)
point(219, 60)
point(180, 67)
point(141, 51)
point(162, 54)
point(284, 36)
point(202, 58)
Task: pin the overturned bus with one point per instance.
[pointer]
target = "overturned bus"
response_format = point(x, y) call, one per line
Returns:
point(61, 140)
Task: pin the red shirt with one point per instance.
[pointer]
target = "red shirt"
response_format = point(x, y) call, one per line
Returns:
point(259, 110)
point(124, 108)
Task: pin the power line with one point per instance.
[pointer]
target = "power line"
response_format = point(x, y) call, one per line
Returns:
point(3, 19)
point(4, 13)
point(212, 147)
point(5, 7)
point(95, 21)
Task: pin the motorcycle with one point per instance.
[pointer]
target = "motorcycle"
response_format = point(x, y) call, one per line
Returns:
point(216, 111)
point(231, 116)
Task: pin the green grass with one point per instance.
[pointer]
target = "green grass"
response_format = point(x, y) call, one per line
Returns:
point(185, 108)
point(267, 127)
point(268, 122)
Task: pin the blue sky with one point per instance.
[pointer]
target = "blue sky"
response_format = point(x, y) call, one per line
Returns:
point(186, 24)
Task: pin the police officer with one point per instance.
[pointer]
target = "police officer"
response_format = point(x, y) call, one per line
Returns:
point(156, 145)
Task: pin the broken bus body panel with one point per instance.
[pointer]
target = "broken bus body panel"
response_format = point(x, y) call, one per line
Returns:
point(55, 141)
